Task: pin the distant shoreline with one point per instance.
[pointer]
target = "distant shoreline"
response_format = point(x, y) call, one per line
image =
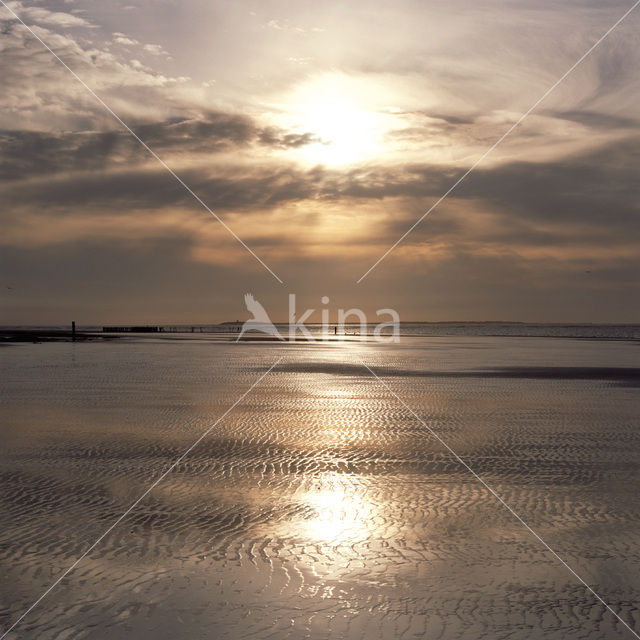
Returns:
point(165, 328)
point(225, 333)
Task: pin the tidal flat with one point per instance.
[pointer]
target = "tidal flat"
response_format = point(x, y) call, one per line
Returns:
point(321, 505)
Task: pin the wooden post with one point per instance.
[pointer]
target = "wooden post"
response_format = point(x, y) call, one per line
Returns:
point(73, 330)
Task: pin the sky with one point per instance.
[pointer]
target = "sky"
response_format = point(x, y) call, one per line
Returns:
point(319, 133)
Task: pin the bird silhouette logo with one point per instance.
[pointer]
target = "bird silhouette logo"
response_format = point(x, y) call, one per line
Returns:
point(260, 321)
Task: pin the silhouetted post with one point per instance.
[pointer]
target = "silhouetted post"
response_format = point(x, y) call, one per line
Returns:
point(73, 330)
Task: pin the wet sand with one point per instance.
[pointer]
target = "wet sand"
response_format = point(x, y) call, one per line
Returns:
point(320, 506)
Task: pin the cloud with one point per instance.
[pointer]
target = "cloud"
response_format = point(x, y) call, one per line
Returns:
point(273, 137)
point(153, 188)
point(40, 94)
point(577, 209)
point(41, 15)
point(285, 25)
point(155, 49)
point(127, 41)
point(121, 38)
point(28, 154)
point(598, 120)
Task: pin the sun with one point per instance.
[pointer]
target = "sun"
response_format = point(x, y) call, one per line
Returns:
point(345, 132)
point(346, 124)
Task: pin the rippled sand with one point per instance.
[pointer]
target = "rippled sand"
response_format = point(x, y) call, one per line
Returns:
point(320, 506)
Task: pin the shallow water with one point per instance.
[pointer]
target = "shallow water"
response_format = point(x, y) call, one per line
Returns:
point(320, 506)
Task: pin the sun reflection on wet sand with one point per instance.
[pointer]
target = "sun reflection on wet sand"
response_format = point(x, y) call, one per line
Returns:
point(339, 512)
point(337, 509)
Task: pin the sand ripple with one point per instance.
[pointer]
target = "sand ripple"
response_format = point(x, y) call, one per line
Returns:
point(320, 507)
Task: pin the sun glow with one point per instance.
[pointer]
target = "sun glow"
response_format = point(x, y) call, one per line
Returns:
point(346, 133)
point(345, 119)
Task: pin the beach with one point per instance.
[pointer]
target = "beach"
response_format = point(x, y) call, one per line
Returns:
point(415, 498)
